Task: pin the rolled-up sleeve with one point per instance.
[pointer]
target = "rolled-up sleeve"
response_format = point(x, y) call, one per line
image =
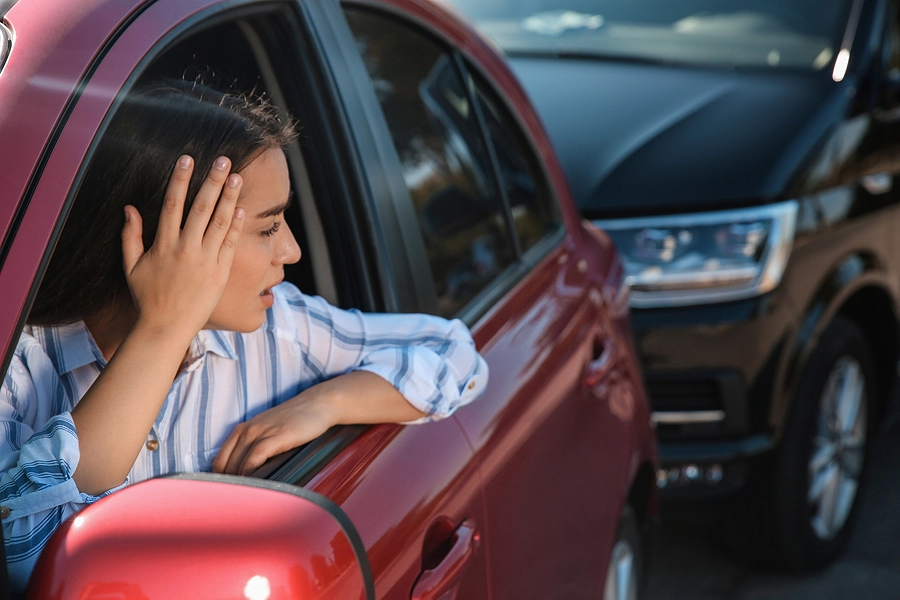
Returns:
point(431, 361)
point(37, 491)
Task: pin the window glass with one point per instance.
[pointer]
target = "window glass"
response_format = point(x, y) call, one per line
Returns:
point(534, 210)
point(442, 151)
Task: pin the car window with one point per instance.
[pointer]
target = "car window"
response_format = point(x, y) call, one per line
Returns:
point(534, 210)
point(444, 156)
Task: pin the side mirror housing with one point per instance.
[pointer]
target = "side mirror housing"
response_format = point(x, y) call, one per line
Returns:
point(205, 536)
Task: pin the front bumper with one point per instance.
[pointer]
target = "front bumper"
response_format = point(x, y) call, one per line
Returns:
point(711, 377)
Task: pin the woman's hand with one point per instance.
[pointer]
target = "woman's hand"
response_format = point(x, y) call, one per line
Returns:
point(177, 283)
point(279, 429)
point(354, 398)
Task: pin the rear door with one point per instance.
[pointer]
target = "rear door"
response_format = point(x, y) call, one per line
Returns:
point(552, 432)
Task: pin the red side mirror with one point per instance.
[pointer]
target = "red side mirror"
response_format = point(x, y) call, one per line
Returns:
point(205, 536)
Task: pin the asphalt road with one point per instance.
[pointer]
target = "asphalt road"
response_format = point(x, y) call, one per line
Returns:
point(688, 563)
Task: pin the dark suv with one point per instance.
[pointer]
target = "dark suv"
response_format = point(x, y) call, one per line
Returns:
point(743, 154)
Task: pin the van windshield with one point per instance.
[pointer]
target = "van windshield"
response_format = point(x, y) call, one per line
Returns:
point(802, 34)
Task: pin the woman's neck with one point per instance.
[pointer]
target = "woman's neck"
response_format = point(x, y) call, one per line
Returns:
point(110, 326)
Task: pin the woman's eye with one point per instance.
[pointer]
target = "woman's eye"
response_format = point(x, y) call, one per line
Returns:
point(273, 229)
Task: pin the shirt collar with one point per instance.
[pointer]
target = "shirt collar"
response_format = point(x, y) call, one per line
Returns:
point(217, 342)
point(73, 347)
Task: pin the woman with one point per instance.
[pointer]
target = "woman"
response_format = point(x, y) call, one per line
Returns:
point(195, 356)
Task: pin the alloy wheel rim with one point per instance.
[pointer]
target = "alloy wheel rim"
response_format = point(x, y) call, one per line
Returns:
point(621, 577)
point(838, 450)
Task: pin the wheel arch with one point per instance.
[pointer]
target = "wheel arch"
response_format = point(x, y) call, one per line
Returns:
point(873, 311)
point(858, 288)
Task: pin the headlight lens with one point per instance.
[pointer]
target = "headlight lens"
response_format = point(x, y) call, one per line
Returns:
point(678, 260)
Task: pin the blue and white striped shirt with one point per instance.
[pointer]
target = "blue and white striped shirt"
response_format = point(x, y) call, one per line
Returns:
point(229, 378)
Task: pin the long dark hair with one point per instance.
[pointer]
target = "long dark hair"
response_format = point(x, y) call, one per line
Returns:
point(132, 164)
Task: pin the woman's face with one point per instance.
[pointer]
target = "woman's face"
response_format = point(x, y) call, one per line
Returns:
point(265, 246)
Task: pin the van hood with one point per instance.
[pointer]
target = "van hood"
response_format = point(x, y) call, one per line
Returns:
point(645, 138)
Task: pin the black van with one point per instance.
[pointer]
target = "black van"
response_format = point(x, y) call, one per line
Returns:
point(744, 155)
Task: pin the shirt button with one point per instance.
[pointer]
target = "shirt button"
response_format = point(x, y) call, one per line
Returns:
point(4, 512)
point(471, 385)
point(152, 445)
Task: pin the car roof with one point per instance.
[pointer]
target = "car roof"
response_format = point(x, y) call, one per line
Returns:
point(54, 45)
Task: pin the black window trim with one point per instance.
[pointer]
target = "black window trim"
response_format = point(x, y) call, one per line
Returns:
point(496, 171)
point(408, 283)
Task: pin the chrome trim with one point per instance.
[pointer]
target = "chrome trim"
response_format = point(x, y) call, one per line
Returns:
point(6, 40)
point(683, 417)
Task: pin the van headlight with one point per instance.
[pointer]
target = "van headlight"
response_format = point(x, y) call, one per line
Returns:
point(678, 260)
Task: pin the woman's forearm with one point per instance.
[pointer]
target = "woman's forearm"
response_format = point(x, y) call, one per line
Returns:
point(358, 397)
point(361, 397)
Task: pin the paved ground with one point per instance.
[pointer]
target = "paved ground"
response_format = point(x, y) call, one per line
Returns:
point(689, 564)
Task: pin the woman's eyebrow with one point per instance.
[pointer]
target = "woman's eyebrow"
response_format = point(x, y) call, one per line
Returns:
point(277, 210)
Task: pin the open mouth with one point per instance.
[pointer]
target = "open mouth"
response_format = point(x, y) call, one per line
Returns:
point(268, 290)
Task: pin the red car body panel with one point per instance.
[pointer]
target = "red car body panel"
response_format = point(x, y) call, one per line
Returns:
point(526, 482)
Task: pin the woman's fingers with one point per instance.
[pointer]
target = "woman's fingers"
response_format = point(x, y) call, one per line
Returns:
point(225, 452)
point(205, 202)
point(132, 238)
point(172, 211)
point(246, 449)
point(222, 219)
point(229, 244)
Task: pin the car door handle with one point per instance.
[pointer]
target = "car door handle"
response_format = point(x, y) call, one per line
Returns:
point(440, 582)
point(602, 362)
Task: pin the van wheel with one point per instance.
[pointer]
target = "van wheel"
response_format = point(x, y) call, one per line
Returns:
point(819, 468)
point(624, 575)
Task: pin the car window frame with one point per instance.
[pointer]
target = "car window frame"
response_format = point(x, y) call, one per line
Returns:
point(465, 64)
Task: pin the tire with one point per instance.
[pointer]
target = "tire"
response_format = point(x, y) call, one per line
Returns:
point(625, 572)
point(820, 466)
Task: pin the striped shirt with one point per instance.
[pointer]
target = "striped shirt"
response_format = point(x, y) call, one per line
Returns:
point(229, 378)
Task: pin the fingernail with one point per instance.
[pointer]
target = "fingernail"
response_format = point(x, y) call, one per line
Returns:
point(234, 181)
point(127, 216)
point(184, 162)
point(239, 213)
point(221, 163)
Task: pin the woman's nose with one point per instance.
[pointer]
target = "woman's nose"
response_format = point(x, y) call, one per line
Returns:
point(288, 249)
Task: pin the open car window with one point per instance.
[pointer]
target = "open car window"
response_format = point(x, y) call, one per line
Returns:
point(261, 50)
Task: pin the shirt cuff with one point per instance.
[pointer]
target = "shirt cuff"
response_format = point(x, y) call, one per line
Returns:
point(42, 479)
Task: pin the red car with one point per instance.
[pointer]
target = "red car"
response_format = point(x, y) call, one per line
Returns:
point(424, 182)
